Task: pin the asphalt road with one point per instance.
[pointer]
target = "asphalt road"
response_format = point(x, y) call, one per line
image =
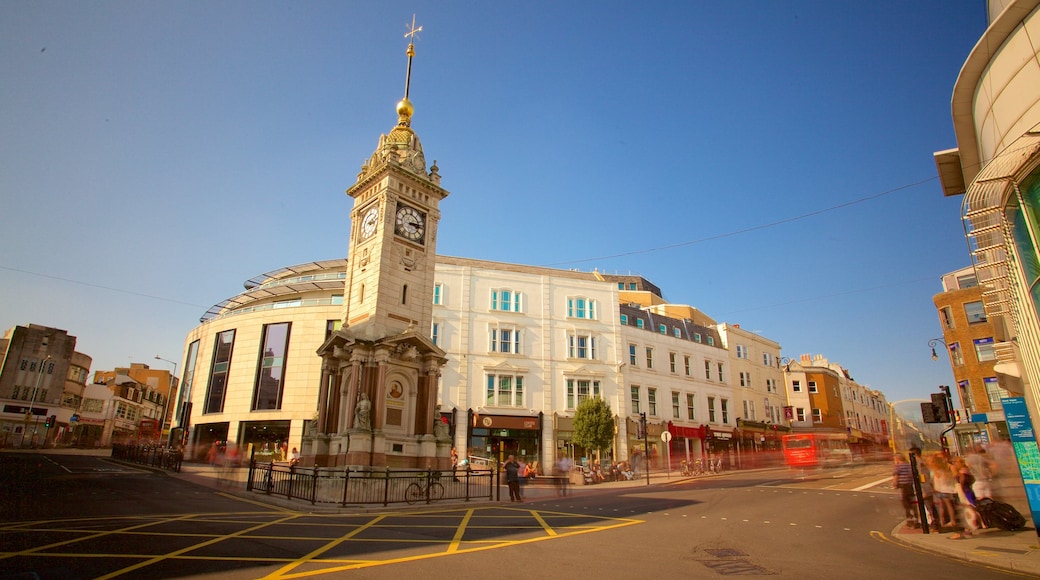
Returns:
point(88, 517)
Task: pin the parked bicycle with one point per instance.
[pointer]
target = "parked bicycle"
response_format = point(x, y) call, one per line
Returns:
point(715, 466)
point(424, 489)
point(684, 468)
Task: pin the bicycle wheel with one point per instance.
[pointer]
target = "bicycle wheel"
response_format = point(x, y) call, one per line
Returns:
point(436, 491)
point(414, 493)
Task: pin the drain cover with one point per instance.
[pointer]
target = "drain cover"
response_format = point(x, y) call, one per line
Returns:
point(725, 552)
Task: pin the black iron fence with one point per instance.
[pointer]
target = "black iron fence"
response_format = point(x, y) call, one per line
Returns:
point(150, 455)
point(354, 486)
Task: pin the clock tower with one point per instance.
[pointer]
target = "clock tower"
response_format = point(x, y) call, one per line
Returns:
point(380, 370)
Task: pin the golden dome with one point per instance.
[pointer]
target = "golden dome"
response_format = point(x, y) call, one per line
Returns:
point(405, 109)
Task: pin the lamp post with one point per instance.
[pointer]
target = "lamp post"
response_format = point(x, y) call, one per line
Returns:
point(36, 389)
point(934, 342)
point(169, 395)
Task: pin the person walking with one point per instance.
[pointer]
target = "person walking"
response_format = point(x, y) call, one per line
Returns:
point(513, 478)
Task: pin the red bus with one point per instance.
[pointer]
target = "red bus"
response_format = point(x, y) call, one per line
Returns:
point(816, 449)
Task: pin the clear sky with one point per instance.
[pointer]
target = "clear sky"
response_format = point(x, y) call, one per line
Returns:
point(769, 163)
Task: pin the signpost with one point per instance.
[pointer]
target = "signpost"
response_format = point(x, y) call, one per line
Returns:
point(1020, 428)
point(667, 438)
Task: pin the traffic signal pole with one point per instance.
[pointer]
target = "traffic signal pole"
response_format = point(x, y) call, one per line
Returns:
point(646, 446)
point(951, 416)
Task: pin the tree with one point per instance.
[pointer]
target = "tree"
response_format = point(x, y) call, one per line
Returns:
point(593, 424)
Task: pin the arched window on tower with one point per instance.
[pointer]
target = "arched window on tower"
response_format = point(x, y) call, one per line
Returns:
point(404, 294)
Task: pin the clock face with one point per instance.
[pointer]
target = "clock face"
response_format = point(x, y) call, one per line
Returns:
point(369, 222)
point(411, 223)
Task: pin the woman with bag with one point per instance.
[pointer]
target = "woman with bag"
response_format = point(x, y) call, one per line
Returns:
point(972, 520)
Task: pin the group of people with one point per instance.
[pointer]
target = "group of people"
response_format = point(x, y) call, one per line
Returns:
point(951, 488)
point(613, 472)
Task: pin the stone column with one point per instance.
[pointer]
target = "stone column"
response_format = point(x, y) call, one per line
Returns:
point(323, 396)
point(351, 390)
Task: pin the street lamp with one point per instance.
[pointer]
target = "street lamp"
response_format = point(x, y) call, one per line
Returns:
point(169, 395)
point(932, 344)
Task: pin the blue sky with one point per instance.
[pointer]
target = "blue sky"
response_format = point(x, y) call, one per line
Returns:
point(767, 162)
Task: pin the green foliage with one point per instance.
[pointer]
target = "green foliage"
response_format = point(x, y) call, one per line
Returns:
point(594, 424)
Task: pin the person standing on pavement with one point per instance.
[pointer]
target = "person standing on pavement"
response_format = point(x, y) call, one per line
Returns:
point(513, 478)
point(965, 479)
point(983, 468)
point(454, 464)
point(903, 481)
point(945, 487)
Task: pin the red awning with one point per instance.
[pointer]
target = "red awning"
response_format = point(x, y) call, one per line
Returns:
point(687, 432)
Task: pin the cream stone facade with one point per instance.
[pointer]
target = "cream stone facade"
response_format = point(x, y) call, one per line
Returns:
point(524, 345)
point(758, 385)
point(996, 119)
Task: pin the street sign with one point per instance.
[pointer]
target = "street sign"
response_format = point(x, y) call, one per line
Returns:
point(666, 436)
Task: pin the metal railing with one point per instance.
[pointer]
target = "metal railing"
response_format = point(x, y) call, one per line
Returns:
point(150, 455)
point(356, 486)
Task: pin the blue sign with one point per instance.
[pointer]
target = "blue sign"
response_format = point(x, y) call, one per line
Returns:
point(1020, 428)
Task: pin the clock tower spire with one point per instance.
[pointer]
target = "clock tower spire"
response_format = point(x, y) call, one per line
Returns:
point(380, 370)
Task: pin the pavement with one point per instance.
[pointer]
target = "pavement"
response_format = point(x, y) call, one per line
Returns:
point(1017, 552)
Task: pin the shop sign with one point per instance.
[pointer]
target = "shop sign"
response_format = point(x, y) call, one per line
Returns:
point(505, 422)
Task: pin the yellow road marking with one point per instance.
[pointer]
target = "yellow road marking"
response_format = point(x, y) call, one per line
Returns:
point(151, 561)
point(460, 531)
point(80, 539)
point(251, 502)
point(458, 519)
point(280, 573)
point(545, 525)
point(500, 544)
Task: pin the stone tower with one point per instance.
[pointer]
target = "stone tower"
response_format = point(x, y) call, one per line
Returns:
point(380, 370)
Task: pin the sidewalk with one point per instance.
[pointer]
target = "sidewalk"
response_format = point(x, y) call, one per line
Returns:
point(1018, 551)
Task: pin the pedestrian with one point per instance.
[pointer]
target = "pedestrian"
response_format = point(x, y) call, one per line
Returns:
point(965, 479)
point(454, 463)
point(513, 478)
point(927, 488)
point(903, 481)
point(945, 487)
point(984, 469)
point(294, 459)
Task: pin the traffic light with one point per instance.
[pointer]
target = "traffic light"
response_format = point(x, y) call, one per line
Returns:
point(642, 425)
point(942, 410)
point(928, 413)
point(50, 421)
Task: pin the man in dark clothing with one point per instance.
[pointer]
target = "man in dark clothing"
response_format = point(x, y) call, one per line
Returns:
point(513, 478)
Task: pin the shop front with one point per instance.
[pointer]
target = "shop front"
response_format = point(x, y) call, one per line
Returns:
point(495, 437)
point(264, 440)
point(722, 445)
point(640, 448)
point(687, 444)
point(760, 443)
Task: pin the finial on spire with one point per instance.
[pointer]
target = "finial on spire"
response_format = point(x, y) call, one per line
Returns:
point(411, 36)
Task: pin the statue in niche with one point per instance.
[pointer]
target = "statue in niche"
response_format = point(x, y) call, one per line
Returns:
point(363, 413)
point(440, 429)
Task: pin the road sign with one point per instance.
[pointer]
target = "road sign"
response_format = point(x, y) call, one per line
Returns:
point(666, 436)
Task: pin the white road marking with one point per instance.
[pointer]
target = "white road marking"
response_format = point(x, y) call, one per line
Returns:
point(870, 485)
